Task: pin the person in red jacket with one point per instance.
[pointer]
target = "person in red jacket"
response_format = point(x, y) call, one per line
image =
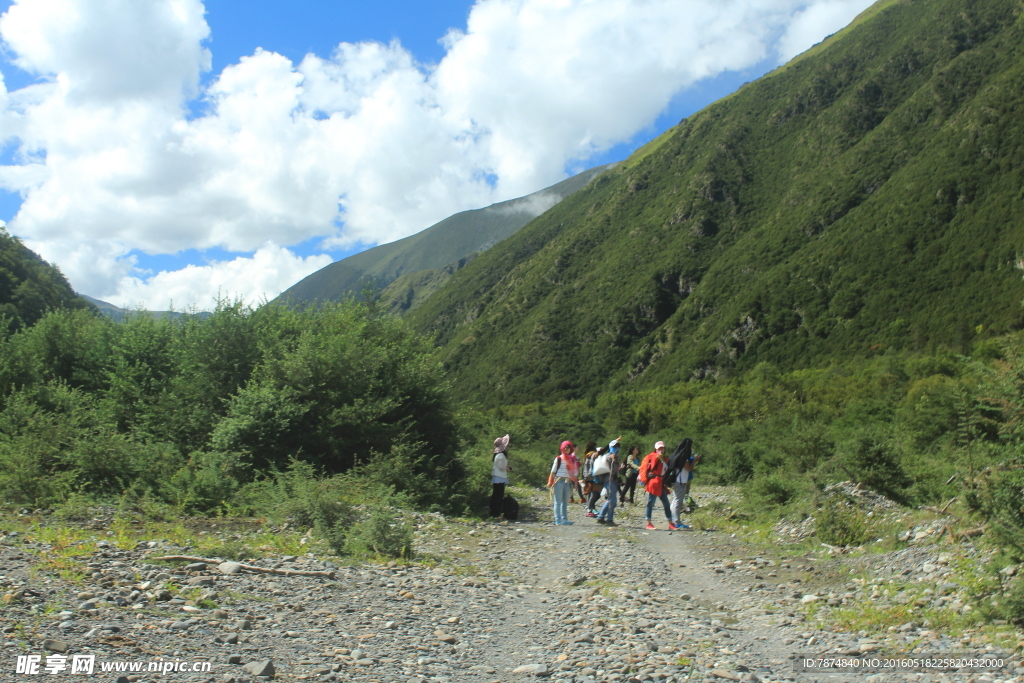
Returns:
point(652, 474)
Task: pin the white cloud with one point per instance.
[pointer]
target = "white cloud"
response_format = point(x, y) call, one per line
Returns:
point(270, 270)
point(366, 145)
point(534, 205)
point(812, 24)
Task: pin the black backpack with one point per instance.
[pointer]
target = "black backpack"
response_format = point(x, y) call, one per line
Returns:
point(677, 462)
point(510, 508)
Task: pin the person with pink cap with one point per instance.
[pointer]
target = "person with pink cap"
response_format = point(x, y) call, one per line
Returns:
point(563, 477)
point(652, 474)
point(499, 475)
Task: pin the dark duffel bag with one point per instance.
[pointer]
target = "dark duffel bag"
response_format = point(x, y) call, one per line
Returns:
point(510, 508)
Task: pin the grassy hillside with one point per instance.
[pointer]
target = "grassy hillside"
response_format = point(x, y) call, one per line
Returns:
point(440, 245)
point(412, 289)
point(866, 197)
point(29, 286)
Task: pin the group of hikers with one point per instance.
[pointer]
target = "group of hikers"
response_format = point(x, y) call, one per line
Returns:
point(610, 472)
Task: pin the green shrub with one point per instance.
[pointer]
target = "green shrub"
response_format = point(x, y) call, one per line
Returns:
point(840, 522)
point(207, 480)
point(773, 490)
point(1000, 498)
point(384, 532)
point(870, 458)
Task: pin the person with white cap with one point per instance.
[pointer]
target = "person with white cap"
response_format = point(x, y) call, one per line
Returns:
point(611, 483)
point(499, 475)
point(652, 474)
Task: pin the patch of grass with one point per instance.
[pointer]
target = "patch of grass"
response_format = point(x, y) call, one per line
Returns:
point(605, 587)
point(230, 549)
point(279, 542)
point(467, 570)
point(878, 615)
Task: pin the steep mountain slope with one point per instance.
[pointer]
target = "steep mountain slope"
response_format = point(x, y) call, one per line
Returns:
point(865, 196)
point(444, 243)
point(29, 286)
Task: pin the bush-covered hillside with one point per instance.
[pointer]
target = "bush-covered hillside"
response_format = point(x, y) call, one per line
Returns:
point(188, 411)
point(29, 286)
point(865, 197)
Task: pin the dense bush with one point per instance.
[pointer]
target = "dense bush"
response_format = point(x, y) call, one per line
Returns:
point(774, 490)
point(383, 533)
point(840, 522)
point(914, 426)
point(190, 409)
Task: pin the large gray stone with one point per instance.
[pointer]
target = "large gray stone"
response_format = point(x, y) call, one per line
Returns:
point(532, 669)
point(263, 668)
point(55, 645)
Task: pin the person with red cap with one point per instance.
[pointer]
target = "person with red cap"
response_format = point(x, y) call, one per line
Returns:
point(652, 474)
point(563, 477)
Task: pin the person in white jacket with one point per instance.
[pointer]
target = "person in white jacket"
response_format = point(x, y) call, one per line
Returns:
point(499, 475)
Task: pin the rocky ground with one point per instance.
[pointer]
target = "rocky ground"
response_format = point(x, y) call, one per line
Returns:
point(485, 602)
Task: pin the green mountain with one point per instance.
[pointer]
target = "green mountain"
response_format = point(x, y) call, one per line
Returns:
point(29, 286)
point(865, 196)
point(441, 245)
point(117, 313)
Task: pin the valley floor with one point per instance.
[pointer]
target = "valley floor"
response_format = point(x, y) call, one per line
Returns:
point(486, 602)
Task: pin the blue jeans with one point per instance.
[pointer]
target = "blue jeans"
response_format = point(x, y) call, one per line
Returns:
point(561, 490)
point(607, 512)
point(664, 501)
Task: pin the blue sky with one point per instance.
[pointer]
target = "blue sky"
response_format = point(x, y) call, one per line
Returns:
point(173, 150)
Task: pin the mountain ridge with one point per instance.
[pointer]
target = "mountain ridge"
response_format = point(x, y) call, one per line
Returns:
point(859, 199)
point(436, 247)
point(29, 286)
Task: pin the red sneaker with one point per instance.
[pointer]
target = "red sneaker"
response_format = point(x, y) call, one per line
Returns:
point(650, 526)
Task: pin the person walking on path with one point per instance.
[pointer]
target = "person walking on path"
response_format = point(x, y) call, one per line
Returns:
point(652, 474)
point(562, 479)
point(680, 470)
point(596, 483)
point(630, 470)
point(687, 499)
point(607, 514)
point(499, 475)
point(578, 488)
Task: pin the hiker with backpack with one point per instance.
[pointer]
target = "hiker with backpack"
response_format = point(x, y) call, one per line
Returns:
point(587, 477)
point(597, 480)
point(578, 488)
point(630, 470)
point(609, 469)
point(499, 476)
point(563, 478)
point(652, 474)
point(678, 475)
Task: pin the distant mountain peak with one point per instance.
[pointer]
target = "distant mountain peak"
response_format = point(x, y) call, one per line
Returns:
point(443, 244)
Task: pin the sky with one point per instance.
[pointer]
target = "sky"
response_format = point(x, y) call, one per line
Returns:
point(169, 152)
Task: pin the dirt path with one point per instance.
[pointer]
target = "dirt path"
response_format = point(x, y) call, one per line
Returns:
point(490, 603)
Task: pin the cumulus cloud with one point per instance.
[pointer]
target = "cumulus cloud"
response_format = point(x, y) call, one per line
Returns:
point(812, 24)
point(364, 145)
point(263, 276)
point(533, 205)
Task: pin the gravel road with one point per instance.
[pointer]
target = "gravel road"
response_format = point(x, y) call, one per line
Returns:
point(486, 603)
